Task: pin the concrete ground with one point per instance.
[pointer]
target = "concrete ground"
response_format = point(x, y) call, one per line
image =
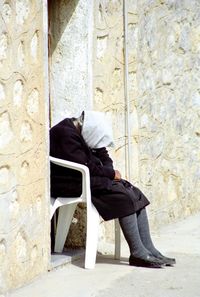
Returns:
point(112, 278)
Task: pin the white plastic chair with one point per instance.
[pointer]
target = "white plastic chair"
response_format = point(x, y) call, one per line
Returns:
point(67, 208)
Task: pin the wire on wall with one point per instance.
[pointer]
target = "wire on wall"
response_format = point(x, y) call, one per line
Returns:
point(126, 91)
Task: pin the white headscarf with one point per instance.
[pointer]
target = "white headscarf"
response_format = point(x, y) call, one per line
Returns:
point(96, 130)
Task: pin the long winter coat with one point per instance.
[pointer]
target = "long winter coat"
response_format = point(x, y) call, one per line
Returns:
point(113, 199)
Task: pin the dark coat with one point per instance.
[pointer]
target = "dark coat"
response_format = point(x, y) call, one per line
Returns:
point(111, 198)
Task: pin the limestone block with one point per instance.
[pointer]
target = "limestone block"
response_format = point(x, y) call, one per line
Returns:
point(39, 204)
point(196, 99)
point(99, 95)
point(184, 42)
point(34, 255)
point(117, 82)
point(171, 40)
point(195, 39)
point(26, 132)
point(18, 93)
point(25, 168)
point(173, 188)
point(101, 46)
point(100, 14)
point(167, 77)
point(22, 11)
point(21, 247)
point(33, 102)
point(146, 174)
point(7, 178)
point(3, 47)
point(6, 12)
point(2, 251)
point(112, 12)
point(132, 81)
point(132, 37)
point(4, 204)
point(6, 133)
point(14, 206)
point(144, 121)
point(2, 93)
point(21, 54)
point(34, 46)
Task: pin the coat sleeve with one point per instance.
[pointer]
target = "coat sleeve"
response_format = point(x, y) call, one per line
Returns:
point(69, 146)
point(103, 155)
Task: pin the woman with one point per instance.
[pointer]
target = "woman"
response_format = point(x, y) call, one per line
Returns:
point(84, 140)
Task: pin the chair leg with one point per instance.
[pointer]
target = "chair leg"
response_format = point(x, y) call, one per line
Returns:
point(117, 240)
point(91, 236)
point(64, 220)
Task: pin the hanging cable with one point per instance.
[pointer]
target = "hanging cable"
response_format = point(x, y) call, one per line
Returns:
point(126, 89)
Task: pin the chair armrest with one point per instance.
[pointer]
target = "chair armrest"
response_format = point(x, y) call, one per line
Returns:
point(76, 166)
point(68, 164)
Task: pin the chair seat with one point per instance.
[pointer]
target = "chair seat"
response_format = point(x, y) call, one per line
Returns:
point(60, 201)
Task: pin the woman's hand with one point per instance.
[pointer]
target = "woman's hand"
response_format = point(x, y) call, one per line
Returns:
point(117, 175)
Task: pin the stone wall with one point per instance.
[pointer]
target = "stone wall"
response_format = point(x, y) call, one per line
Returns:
point(24, 223)
point(163, 49)
point(70, 29)
point(168, 105)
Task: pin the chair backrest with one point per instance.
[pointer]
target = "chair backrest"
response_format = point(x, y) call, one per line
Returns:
point(86, 191)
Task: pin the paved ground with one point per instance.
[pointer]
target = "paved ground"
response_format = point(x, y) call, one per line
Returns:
point(112, 278)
